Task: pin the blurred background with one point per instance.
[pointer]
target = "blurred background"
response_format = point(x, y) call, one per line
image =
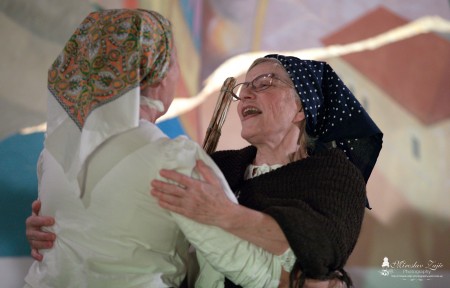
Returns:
point(393, 54)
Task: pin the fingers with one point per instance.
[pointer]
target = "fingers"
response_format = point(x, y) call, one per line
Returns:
point(35, 235)
point(38, 244)
point(39, 221)
point(170, 202)
point(167, 193)
point(205, 171)
point(163, 196)
point(179, 178)
point(167, 188)
point(35, 207)
point(36, 255)
point(172, 207)
point(39, 239)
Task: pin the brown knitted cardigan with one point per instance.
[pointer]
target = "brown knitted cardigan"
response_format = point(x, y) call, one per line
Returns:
point(318, 202)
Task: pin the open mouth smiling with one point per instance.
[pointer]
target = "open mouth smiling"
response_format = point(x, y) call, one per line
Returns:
point(249, 111)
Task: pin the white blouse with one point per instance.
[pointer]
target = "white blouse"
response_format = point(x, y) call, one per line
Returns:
point(116, 235)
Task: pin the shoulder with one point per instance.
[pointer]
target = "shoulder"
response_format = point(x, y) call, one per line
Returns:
point(152, 134)
point(233, 163)
point(246, 154)
point(180, 151)
point(329, 174)
point(333, 160)
point(174, 153)
point(330, 154)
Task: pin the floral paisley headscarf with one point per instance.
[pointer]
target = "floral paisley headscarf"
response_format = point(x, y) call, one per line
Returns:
point(333, 114)
point(94, 83)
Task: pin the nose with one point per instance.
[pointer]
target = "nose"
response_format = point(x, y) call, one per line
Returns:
point(247, 94)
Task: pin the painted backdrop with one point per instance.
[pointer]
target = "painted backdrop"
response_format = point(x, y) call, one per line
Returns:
point(402, 83)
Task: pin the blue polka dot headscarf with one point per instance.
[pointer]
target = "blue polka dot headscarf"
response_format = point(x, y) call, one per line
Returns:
point(333, 114)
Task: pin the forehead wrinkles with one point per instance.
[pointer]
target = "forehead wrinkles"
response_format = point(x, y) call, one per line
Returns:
point(270, 66)
point(259, 69)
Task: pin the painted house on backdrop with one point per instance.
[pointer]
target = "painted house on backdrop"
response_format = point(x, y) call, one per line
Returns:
point(405, 86)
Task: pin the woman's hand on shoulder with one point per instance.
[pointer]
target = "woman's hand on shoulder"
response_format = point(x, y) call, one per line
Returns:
point(37, 238)
point(203, 201)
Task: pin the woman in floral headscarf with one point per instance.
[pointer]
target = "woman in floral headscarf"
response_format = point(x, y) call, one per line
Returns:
point(114, 78)
point(301, 184)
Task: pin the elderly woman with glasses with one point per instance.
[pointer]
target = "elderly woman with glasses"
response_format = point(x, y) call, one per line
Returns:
point(301, 184)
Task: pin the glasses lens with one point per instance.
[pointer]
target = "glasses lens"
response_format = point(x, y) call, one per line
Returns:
point(258, 84)
point(262, 82)
point(238, 88)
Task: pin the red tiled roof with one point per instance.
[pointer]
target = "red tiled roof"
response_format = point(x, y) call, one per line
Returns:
point(415, 72)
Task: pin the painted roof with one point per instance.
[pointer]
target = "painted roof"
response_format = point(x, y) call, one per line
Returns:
point(415, 72)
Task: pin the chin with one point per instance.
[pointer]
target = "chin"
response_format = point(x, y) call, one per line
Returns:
point(246, 136)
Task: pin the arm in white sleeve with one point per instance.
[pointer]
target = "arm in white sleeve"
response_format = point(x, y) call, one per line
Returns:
point(242, 262)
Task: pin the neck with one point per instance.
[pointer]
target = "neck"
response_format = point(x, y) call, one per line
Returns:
point(280, 151)
point(147, 113)
point(275, 152)
point(270, 156)
point(151, 106)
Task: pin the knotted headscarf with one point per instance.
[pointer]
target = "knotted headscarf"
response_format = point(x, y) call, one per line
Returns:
point(333, 114)
point(94, 83)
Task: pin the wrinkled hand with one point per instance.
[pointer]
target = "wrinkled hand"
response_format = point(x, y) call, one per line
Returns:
point(203, 201)
point(37, 238)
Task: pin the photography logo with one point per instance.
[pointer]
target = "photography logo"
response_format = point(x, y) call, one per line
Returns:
point(385, 266)
point(411, 271)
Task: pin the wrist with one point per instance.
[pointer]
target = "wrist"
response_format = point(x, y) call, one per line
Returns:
point(230, 218)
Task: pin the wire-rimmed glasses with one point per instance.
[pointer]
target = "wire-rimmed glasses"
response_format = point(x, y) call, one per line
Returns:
point(260, 83)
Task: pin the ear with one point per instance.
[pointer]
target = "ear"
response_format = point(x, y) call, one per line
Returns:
point(299, 116)
point(162, 83)
point(151, 91)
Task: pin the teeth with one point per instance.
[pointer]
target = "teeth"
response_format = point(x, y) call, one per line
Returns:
point(250, 111)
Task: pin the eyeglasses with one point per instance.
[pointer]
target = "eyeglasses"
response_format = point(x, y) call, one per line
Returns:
point(260, 83)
